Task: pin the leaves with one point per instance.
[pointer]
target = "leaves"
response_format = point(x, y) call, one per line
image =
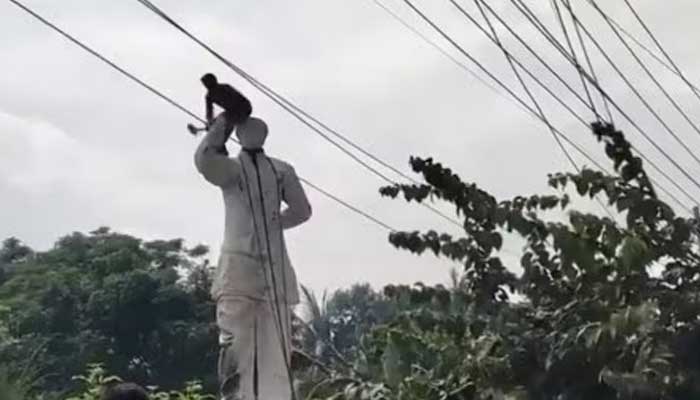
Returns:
point(110, 297)
point(634, 254)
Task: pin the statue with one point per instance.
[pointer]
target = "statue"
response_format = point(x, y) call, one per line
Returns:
point(254, 285)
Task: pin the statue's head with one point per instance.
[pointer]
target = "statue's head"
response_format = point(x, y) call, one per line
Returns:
point(252, 133)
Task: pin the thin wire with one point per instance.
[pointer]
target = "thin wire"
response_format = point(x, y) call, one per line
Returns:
point(473, 73)
point(638, 128)
point(499, 82)
point(517, 74)
point(656, 82)
point(660, 47)
point(349, 206)
point(647, 50)
point(529, 93)
point(295, 110)
point(552, 39)
point(516, 97)
point(542, 61)
point(534, 77)
point(543, 30)
point(463, 66)
point(445, 53)
point(185, 110)
point(582, 43)
point(107, 61)
point(557, 13)
point(532, 17)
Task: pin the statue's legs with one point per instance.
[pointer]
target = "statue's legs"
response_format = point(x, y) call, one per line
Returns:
point(251, 361)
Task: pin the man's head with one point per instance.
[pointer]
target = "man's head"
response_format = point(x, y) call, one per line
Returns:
point(252, 133)
point(124, 391)
point(209, 80)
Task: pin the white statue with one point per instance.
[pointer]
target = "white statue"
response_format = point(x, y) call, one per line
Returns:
point(255, 284)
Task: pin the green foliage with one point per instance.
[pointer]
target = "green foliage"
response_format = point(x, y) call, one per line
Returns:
point(13, 389)
point(193, 391)
point(95, 380)
point(609, 311)
point(110, 298)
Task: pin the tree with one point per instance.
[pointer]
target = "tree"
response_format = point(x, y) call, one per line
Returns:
point(110, 298)
point(598, 321)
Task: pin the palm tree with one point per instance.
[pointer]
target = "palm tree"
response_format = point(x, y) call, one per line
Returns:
point(315, 335)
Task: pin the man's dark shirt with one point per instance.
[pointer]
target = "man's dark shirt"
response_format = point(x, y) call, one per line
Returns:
point(230, 99)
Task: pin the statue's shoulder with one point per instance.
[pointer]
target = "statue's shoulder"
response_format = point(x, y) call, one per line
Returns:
point(281, 165)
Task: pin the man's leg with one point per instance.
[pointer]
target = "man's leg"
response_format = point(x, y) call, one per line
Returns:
point(274, 378)
point(236, 319)
point(229, 125)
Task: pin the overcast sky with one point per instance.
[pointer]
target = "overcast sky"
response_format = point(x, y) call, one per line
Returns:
point(82, 147)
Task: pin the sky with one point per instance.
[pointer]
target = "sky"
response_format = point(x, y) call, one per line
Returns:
point(83, 147)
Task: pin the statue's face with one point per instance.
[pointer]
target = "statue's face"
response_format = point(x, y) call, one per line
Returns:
point(252, 133)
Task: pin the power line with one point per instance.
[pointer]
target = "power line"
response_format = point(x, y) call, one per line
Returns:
point(517, 74)
point(530, 73)
point(107, 61)
point(499, 82)
point(660, 47)
point(541, 61)
point(656, 82)
point(653, 55)
point(525, 105)
point(445, 53)
point(595, 81)
point(582, 43)
point(529, 93)
point(461, 64)
point(473, 73)
point(525, 10)
point(637, 127)
point(294, 110)
point(158, 93)
point(560, 47)
point(557, 12)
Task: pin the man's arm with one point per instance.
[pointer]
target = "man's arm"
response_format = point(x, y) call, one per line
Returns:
point(216, 167)
point(209, 109)
point(298, 208)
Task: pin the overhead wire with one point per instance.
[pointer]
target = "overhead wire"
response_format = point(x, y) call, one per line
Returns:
point(182, 108)
point(517, 98)
point(565, 32)
point(500, 83)
point(422, 36)
point(514, 100)
point(539, 58)
point(656, 82)
point(589, 63)
point(578, 117)
point(527, 90)
point(632, 122)
point(525, 10)
point(296, 111)
point(661, 48)
point(534, 77)
point(444, 52)
point(520, 79)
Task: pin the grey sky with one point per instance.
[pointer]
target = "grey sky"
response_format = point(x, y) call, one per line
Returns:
point(81, 146)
